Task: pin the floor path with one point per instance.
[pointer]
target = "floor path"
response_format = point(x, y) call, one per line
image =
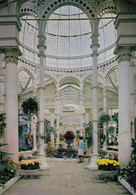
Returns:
point(65, 177)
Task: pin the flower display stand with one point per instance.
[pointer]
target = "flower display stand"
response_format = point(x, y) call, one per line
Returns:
point(106, 175)
point(126, 185)
point(10, 183)
point(29, 172)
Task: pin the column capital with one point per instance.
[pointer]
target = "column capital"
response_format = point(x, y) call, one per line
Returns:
point(124, 54)
point(11, 55)
point(42, 39)
point(41, 54)
point(95, 43)
point(41, 43)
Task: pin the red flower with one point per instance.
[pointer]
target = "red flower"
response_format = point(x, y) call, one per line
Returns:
point(69, 135)
point(115, 155)
point(8, 162)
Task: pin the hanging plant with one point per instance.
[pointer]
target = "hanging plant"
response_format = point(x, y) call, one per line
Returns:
point(30, 106)
point(2, 124)
point(104, 118)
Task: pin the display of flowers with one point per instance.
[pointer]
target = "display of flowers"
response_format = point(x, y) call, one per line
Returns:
point(7, 167)
point(107, 164)
point(29, 164)
point(69, 135)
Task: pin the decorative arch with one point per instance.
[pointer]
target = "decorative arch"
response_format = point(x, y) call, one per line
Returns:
point(51, 6)
point(113, 68)
point(90, 75)
point(26, 70)
point(107, 8)
point(26, 10)
point(31, 77)
point(49, 76)
point(112, 82)
point(69, 79)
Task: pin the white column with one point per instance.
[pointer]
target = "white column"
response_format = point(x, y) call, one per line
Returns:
point(2, 78)
point(93, 165)
point(132, 98)
point(87, 116)
point(105, 112)
point(41, 48)
point(81, 114)
point(11, 132)
point(124, 105)
point(33, 127)
point(1, 90)
point(57, 116)
point(52, 125)
point(34, 87)
point(2, 85)
point(57, 129)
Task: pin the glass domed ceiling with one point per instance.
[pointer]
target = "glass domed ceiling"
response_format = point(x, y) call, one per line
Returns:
point(68, 39)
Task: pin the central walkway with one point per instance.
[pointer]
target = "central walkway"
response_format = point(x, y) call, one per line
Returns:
point(65, 177)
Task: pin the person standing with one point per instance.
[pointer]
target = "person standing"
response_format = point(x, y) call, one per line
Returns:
point(80, 150)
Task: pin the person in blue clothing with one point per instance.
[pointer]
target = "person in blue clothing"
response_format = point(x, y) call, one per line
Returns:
point(80, 149)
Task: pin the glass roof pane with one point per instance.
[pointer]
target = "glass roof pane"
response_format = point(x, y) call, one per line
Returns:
point(29, 32)
point(68, 38)
point(68, 41)
point(69, 94)
point(24, 81)
point(107, 38)
point(113, 80)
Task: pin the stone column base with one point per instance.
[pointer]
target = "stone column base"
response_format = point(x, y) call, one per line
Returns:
point(93, 165)
point(44, 164)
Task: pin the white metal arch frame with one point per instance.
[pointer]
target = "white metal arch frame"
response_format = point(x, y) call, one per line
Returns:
point(31, 77)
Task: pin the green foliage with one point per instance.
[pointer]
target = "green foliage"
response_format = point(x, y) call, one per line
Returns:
point(115, 118)
point(30, 106)
point(2, 124)
point(129, 173)
point(50, 150)
point(104, 118)
point(20, 129)
point(89, 134)
point(111, 130)
point(7, 167)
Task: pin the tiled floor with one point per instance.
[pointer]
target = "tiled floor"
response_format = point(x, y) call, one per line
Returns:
point(65, 177)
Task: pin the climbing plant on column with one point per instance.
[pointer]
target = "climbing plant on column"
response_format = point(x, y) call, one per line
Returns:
point(2, 124)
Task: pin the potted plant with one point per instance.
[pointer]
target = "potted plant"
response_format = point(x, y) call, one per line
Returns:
point(69, 138)
point(107, 164)
point(108, 168)
point(29, 166)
